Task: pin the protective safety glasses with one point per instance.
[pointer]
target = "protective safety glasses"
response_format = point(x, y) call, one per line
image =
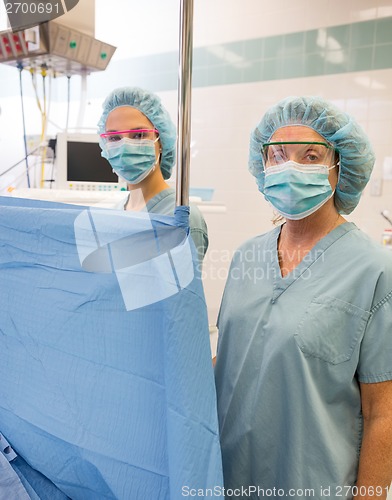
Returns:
point(305, 153)
point(138, 134)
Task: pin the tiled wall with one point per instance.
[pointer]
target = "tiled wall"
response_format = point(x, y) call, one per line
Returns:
point(361, 46)
point(247, 55)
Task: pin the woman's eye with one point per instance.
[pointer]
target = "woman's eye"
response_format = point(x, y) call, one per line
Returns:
point(114, 138)
point(137, 135)
point(277, 157)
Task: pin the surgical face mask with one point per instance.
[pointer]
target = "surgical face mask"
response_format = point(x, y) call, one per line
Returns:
point(132, 160)
point(296, 190)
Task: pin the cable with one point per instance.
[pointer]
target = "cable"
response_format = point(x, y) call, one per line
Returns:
point(34, 82)
point(52, 144)
point(43, 131)
point(52, 179)
point(20, 67)
point(50, 74)
point(83, 101)
point(68, 101)
point(385, 214)
point(19, 162)
point(16, 182)
point(42, 109)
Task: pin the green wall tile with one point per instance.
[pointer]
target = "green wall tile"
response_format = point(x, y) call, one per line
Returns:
point(363, 46)
point(384, 30)
point(340, 34)
point(215, 54)
point(273, 46)
point(216, 75)
point(253, 72)
point(151, 64)
point(272, 69)
point(313, 65)
point(167, 62)
point(293, 43)
point(363, 33)
point(233, 74)
point(254, 49)
point(235, 48)
point(382, 57)
point(153, 83)
point(336, 61)
point(166, 81)
point(138, 65)
point(200, 77)
point(311, 38)
point(292, 66)
point(361, 59)
point(199, 57)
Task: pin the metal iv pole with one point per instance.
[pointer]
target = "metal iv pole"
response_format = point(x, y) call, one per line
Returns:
point(184, 102)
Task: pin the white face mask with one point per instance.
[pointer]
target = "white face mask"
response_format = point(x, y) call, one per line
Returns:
point(132, 160)
point(296, 190)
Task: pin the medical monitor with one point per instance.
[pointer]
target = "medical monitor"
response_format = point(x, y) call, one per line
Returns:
point(80, 166)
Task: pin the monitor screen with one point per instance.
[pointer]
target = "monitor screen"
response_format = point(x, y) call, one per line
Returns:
point(79, 164)
point(85, 163)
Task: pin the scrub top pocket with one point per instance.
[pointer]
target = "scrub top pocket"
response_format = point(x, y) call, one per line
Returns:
point(330, 329)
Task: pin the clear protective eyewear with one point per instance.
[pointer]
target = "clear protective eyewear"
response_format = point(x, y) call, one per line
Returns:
point(137, 134)
point(304, 153)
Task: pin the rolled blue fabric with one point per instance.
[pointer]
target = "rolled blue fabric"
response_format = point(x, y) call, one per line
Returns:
point(11, 487)
point(36, 485)
point(107, 382)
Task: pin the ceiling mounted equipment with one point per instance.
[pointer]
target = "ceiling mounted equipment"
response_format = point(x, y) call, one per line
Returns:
point(56, 47)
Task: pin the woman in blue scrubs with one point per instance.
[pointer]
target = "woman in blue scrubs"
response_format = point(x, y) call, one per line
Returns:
point(138, 138)
point(304, 363)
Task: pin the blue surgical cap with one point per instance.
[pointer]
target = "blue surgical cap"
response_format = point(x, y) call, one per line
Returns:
point(337, 127)
point(150, 105)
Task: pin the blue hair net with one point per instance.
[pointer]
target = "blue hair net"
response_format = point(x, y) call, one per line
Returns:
point(150, 105)
point(337, 127)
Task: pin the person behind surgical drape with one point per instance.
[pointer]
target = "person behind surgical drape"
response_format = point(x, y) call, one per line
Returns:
point(138, 138)
point(304, 362)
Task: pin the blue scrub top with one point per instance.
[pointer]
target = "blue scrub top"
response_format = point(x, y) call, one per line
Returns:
point(164, 203)
point(291, 354)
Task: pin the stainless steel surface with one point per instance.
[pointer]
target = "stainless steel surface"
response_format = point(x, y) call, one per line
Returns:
point(184, 102)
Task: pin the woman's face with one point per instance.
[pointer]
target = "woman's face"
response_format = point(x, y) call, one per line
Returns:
point(302, 154)
point(129, 118)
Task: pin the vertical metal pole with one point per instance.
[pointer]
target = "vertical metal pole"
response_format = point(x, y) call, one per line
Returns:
point(184, 102)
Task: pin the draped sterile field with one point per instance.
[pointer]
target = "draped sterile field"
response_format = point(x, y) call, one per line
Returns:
point(106, 376)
